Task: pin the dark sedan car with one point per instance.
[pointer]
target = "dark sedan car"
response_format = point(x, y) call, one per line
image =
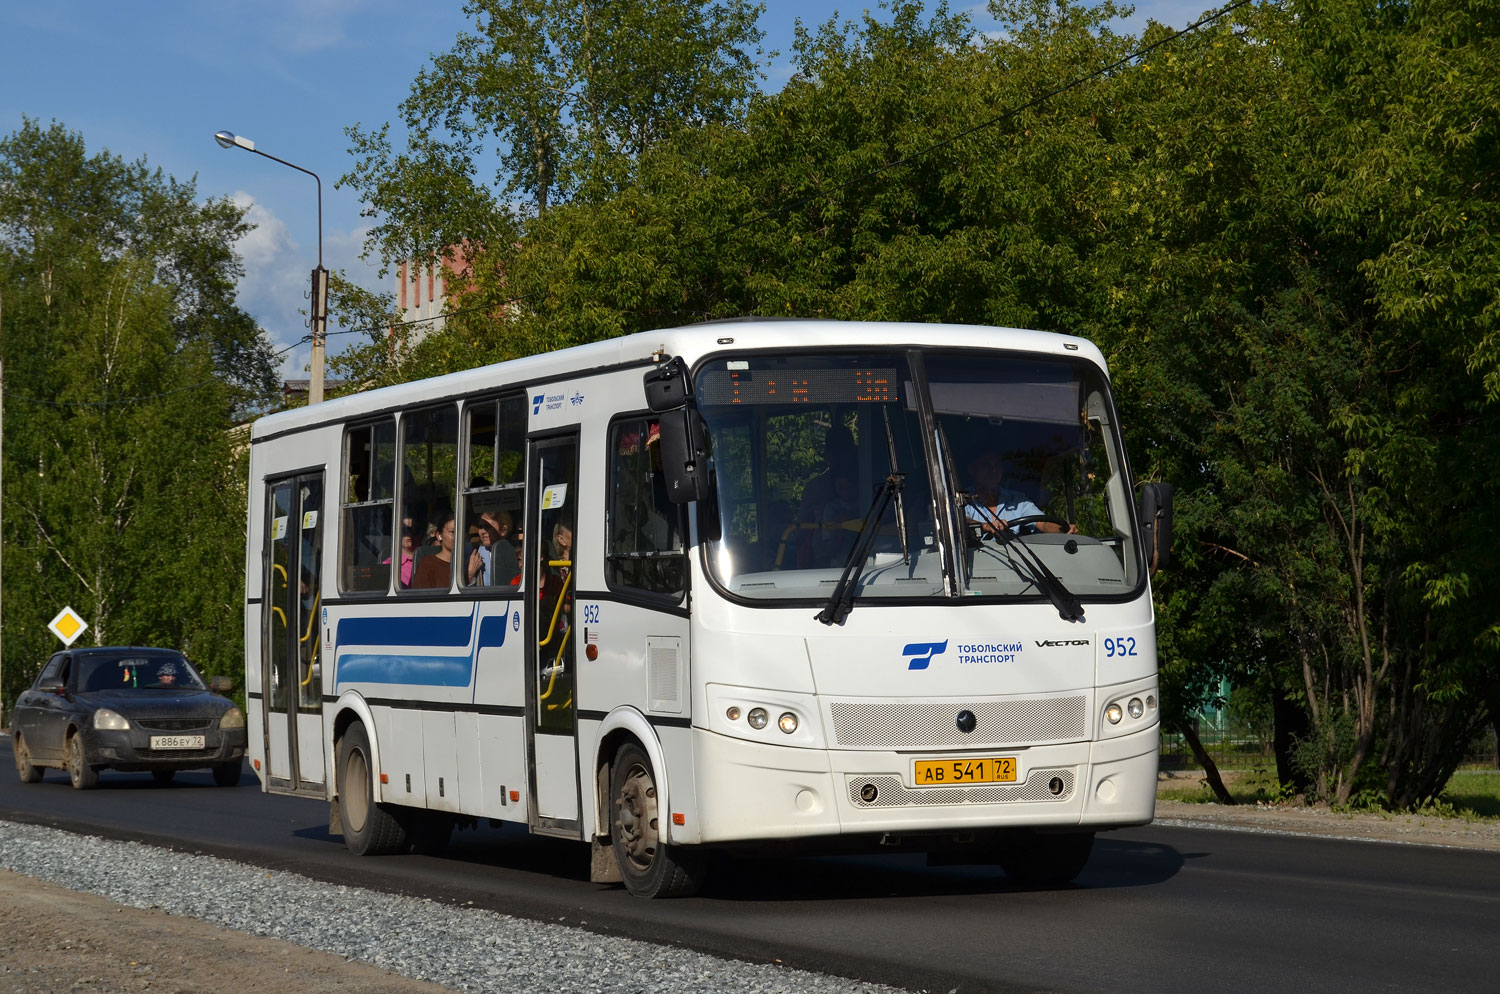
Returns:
point(128, 708)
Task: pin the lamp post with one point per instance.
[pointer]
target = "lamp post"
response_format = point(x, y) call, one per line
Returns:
point(228, 139)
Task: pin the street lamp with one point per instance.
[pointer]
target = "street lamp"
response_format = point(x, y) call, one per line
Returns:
point(228, 139)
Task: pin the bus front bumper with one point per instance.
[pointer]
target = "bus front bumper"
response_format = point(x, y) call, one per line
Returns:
point(748, 791)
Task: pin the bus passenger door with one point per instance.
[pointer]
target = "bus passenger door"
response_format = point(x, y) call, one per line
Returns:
point(551, 709)
point(291, 670)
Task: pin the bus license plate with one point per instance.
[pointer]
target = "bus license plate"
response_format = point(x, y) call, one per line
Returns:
point(948, 772)
point(177, 741)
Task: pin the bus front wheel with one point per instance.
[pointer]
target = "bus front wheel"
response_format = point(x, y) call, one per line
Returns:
point(369, 827)
point(1047, 860)
point(649, 865)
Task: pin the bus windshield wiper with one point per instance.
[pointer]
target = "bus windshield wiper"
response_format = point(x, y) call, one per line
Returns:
point(1068, 606)
point(841, 601)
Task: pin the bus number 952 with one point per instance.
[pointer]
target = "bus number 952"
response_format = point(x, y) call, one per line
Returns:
point(1122, 646)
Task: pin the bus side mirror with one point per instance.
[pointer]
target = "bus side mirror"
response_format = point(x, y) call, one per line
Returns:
point(684, 455)
point(1156, 524)
point(668, 386)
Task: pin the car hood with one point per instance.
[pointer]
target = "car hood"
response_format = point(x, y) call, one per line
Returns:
point(173, 703)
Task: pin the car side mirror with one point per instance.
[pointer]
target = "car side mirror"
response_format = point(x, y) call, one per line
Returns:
point(51, 685)
point(221, 685)
point(1156, 524)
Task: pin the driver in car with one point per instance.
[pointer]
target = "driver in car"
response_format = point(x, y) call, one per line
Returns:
point(993, 507)
point(166, 675)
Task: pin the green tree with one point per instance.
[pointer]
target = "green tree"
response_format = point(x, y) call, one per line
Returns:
point(123, 492)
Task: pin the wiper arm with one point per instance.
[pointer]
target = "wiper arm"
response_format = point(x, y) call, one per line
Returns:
point(1068, 606)
point(841, 601)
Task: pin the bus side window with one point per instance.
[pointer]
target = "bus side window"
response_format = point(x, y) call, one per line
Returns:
point(429, 474)
point(493, 498)
point(645, 547)
point(368, 501)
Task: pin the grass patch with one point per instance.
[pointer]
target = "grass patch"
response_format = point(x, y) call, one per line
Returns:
point(1245, 786)
point(1471, 794)
point(1474, 793)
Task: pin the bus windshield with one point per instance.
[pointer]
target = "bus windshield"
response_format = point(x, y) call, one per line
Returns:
point(1020, 474)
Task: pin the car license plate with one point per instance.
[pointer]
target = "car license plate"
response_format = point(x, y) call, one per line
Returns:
point(177, 741)
point(948, 772)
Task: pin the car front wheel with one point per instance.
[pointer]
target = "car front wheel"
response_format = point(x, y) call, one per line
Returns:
point(227, 774)
point(28, 771)
point(80, 772)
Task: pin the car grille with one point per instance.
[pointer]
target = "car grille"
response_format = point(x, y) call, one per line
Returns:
point(199, 724)
point(933, 725)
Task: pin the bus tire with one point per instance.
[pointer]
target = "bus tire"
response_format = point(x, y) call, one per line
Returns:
point(1047, 860)
point(370, 829)
point(649, 866)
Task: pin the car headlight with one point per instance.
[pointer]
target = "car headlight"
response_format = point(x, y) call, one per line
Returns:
point(110, 721)
point(233, 718)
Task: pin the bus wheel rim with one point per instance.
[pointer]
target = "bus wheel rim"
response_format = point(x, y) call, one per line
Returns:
point(636, 817)
point(357, 790)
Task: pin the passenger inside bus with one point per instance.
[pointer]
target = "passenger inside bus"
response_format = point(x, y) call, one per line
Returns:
point(434, 570)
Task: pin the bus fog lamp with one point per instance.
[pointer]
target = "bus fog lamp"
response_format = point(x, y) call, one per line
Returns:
point(757, 718)
point(1135, 707)
point(1151, 701)
point(1114, 714)
point(733, 714)
point(787, 723)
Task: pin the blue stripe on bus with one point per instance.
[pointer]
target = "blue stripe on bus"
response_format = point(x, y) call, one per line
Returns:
point(426, 671)
point(429, 632)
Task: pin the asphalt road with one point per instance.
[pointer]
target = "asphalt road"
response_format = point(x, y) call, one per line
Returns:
point(1157, 910)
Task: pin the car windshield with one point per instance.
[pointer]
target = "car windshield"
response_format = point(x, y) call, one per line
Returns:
point(804, 444)
point(136, 671)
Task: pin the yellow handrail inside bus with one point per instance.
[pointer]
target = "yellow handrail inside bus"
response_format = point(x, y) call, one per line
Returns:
point(557, 665)
point(554, 707)
point(561, 596)
point(312, 617)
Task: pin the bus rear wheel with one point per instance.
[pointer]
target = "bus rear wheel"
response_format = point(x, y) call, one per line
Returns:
point(1047, 860)
point(649, 865)
point(369, 827)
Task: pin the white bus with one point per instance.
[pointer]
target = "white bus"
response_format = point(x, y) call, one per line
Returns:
point(854, 585)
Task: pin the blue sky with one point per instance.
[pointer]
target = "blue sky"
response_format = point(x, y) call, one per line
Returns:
point(157, 78)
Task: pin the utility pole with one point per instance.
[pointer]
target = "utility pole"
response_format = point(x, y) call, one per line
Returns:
point(319, 298)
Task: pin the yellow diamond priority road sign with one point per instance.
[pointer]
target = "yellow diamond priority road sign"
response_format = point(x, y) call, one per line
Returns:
point(67, 625)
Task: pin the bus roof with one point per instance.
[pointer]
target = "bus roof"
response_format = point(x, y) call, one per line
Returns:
point(692, 343)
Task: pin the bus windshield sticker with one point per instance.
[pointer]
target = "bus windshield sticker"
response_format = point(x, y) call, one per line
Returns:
point(309, 520)
point(554, 496)
point(278, 528)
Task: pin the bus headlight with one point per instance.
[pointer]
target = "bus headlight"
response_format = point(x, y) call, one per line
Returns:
point(233, 718)
point(757, 718)
point(787, 723)
point(110, 721)
point(1114, 714)
point(1135, 707)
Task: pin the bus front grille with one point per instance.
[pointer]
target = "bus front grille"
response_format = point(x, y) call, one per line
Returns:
point(890, 792)
point(934, 724)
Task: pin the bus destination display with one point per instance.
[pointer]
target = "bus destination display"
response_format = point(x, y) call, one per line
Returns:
point(797, 386)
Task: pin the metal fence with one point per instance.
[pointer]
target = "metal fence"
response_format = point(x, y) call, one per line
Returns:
point(1239, 745)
